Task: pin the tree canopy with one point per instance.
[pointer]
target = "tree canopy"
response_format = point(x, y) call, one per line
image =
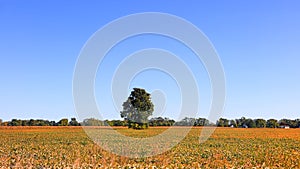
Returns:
point(137, 108)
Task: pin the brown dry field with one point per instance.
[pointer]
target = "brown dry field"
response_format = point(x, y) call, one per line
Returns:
point(70, 147)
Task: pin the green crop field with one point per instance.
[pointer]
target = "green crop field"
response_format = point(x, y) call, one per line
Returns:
point(70, 147)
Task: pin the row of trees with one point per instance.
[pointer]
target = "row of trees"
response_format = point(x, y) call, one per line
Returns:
point(160, 121)
point(222, 122)
point(40, 122)
point(156, 121)
point(258, 123)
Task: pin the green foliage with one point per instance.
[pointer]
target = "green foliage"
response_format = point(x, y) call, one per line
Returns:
point(63, 122)
point(290, 123)
point(272, 123)
point(222, 122)
point(159, 121)
point(202, 122)
point(240, 122)
point(15, 122)
point(92, 122)
point(116, 123)
point(74, 122)
point(260, 123)
point(186, 122)
point(250, 123)
point(233, 123)
point(298, 123)
point(31, 122)
point(137, 108)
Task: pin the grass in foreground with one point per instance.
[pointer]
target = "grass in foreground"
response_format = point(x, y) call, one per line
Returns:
point(63, 147)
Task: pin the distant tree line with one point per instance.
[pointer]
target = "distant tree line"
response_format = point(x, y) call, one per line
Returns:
point(258, 123)
point(40, 122)
point(160, 121)
point(156, 121)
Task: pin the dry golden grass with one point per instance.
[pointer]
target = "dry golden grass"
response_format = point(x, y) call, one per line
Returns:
point(63, 147)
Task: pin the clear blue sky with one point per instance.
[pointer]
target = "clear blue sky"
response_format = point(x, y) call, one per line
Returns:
point(258, 43)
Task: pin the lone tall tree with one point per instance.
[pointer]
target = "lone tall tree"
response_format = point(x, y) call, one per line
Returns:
point(137, 108)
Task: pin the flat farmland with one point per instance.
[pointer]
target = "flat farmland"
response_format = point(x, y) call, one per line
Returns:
point(70, 147)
